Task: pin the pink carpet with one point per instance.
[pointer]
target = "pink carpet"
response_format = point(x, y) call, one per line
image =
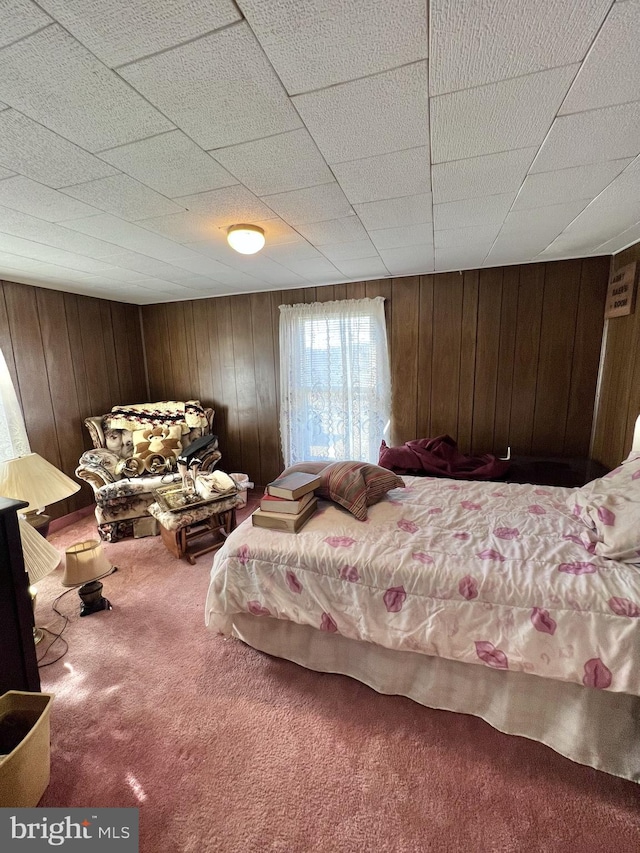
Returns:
point(226, 749)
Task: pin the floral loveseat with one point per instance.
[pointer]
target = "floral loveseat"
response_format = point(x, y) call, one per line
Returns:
point(124, 473)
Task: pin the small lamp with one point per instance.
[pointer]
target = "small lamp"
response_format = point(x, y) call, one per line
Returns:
point(40, 559)
point(246, 239)
point(31, 478)
point(85, 564)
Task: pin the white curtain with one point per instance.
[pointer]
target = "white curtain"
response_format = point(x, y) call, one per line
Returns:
point(335, 388)
point(13, 435)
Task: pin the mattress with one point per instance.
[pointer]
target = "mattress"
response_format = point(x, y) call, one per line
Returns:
point(501, 576)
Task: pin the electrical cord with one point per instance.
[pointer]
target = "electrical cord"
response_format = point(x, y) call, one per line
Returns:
point(57, 635)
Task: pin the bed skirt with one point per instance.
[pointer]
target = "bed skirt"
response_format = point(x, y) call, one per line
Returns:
point(597, 728)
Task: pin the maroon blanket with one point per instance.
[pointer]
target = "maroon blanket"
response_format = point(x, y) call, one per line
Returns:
point(440, 457)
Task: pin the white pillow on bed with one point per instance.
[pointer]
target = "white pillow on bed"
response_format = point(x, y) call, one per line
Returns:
point(611, 507)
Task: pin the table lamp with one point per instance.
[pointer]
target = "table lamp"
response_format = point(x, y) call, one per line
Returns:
point(25, 476)
point(85, 564)
point(31, 478)
point(40, 559)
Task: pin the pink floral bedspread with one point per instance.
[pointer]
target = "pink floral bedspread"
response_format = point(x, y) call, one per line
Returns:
point(499, 575)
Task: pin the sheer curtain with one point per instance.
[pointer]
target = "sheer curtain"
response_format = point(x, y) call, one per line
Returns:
point(335, 387)
point(13, 435)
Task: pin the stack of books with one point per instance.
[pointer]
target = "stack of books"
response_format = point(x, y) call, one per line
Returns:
point(288, 502)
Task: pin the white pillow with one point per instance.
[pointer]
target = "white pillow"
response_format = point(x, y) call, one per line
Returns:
point(611, 507)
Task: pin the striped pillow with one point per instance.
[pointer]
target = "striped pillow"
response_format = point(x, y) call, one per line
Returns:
point(356, 485)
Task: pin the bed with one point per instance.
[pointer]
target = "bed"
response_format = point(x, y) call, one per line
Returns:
point(516, 603)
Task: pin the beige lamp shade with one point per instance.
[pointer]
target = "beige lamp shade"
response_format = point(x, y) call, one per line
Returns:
point(85, 562)
point(31, 478)
point(40, 557)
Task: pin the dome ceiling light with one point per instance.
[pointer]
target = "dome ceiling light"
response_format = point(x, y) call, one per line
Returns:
point(246, 239)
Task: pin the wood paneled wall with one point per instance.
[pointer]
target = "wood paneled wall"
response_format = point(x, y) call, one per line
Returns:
point(618, 403)
point(493, 357)
point(69, 357)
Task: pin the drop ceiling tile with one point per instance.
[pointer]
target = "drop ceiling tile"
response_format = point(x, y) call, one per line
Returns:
point(288, 161)
point(49, 254)
point(227, 206)
point(38, 153)
point(262, 269)
point(171, 164)
point(4, 107)
point(497, 117)
point(610, 73)
point(547, 221)
point(404, 235)
point(288, 253)
point(6, 173)
point(127, 235)
point(25, 195)
point(387, 176)
point(345, 127)
point(312, 204)
point(19, 18)
point(472, 211)
point(211, 265)
point(312, 45)
point(124, 197)
point(459, 258)
point(610, 133)
point(332, 231)
point(616, 209)
point(392, 212)
point(55, 80)
point(621, 241)
point(410, 260)
point(349, 251)
point(31, 228)
point(316, 270)
point(516, 248)
point(119, 31)
point(482, 41)
point(221, 89)
point(363, 268)
point(183, 227)
point(150, 267)
point(456, 238)
point(476, 177)
point(567, 184)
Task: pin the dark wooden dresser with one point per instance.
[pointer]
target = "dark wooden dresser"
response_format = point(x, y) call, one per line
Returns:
point(18, 663)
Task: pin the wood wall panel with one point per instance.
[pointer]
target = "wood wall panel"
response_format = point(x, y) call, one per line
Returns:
point(618, 402)
point(68, 360)
point(466, 387)
point(559, 312)
point(494, 357)
point(404, 358)
point(445, 364)
point(487, 353)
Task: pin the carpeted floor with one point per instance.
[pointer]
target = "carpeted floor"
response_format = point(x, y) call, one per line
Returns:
point(225, 749)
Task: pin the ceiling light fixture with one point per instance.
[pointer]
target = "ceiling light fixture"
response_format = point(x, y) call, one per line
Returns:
point(246, 239)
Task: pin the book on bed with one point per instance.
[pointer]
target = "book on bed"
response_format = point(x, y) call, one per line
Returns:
point(270, 503)
point(293, 486)
point(284, 521)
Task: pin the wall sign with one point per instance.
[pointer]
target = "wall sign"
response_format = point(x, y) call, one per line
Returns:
point(622, 292)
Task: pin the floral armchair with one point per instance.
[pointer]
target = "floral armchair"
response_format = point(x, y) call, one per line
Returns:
point(135, 450)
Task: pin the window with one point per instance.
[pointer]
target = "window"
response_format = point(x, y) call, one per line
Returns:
point(334, 380)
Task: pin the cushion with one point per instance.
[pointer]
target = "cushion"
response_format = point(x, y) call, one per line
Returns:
point(611, 507)
point(155, 450)
point(353, 485)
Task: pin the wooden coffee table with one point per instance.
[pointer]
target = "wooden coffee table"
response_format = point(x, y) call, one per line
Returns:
point(179, 530)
